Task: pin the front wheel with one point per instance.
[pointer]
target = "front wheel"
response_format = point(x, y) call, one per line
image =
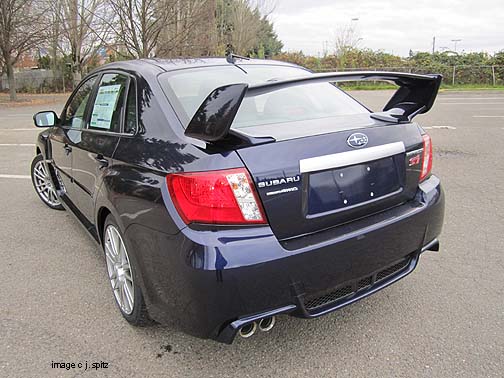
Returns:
point(42, 183)
point(127, 293)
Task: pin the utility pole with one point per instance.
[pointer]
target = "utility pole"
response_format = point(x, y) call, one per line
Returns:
point(433, 45)
point(325, 48)
point(455, 42)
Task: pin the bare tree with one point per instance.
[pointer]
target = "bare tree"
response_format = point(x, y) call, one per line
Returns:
point(138, 24)
point(147, 28)
point(20, 31)
point(54, 31)
point(2, 71)
point(84, 29)
point(347, 38)
point(191, 29)
point(265, 7)
point(244, 26)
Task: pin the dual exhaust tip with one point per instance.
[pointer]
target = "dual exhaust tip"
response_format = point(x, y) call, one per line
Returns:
point(265, 325)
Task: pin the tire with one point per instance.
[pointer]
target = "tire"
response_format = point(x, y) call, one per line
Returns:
point(42, 184)
point(121, 273)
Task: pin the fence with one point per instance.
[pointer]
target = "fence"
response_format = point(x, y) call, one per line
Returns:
point(39, 81)
point(49, 81)
point(452, 75)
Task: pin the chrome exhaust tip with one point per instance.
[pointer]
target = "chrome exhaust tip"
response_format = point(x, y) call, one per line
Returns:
point(266, 324)
point(248, 330)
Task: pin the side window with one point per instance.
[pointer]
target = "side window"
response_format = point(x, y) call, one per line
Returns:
point(109, 103)
point(131, 110)
point(74, 115)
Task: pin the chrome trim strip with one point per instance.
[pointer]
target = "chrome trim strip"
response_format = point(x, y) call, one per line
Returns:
point(411, 153)
point(344, 159)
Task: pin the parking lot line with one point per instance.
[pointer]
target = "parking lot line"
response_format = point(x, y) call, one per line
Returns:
point(441, 127)
point(488, 116)
point(15, 176)
point(471, 103)
point(441, 98)
point(17, 145)
point(30, 129)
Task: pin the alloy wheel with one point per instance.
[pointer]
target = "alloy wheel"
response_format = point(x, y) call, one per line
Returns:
point(119, 269)
point(43, 185)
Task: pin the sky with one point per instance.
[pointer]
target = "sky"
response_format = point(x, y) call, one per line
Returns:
point(395, 26)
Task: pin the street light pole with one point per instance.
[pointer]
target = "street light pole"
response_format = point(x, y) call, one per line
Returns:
point(455, 42)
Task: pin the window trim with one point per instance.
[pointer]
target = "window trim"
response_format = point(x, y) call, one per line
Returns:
point(131, 79)
point(121, 117)
point(135, 91)
point(86, 110)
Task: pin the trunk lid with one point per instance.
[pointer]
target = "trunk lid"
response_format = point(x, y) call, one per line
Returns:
point(317, 182)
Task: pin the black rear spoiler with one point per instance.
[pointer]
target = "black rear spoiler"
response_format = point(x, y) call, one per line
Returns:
point(415, 95)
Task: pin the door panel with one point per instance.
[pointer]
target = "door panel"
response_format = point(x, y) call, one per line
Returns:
point(91, 157)
point(62, 156)
point(65, 137)
point(93, 154)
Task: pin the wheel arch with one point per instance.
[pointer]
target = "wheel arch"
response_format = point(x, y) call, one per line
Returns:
point(105, 206)
point(42, 144)
point(102, 214)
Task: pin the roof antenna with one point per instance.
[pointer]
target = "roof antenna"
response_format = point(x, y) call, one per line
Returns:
point(231, 57)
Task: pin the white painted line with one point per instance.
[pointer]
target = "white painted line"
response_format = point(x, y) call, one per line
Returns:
point(488, 116)
point(471, 103)
point(443, 127)
point(15, 176)
point(471, 98)
point(17, 145)
point(31, 129)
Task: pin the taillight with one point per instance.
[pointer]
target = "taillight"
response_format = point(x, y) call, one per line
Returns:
point(217, 197)
point(427, 157)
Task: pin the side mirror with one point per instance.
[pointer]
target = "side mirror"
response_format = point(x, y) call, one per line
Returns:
point(45, 119)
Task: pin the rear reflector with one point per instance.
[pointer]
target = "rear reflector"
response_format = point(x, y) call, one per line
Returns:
point(426, 157)
point(216, 197)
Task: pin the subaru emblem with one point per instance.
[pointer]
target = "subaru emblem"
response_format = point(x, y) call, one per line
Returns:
point(357, 140)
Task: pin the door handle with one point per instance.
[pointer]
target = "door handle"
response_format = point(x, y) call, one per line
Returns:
point(68, 149)
point(102, 162)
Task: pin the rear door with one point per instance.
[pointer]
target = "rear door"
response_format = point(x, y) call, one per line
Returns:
point(92, 155)
point(314, 183)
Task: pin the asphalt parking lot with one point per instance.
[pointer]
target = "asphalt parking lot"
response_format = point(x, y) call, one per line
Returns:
point(444, 320)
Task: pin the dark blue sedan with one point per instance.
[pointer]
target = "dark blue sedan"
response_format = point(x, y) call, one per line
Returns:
point(225, 192)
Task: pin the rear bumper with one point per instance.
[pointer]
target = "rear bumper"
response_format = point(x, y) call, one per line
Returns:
point(210, 283)
point(300, 308)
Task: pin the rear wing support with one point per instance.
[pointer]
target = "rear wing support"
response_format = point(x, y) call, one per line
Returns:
point(415, 95)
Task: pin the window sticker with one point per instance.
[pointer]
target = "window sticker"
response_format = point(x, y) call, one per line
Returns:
point(104, 106)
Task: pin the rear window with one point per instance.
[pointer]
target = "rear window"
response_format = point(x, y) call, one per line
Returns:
point(187, 89)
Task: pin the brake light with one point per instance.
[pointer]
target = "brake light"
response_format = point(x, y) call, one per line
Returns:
point(216, 197)
point(426, 157)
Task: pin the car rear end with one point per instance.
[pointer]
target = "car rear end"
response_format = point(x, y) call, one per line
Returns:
point(328, 211)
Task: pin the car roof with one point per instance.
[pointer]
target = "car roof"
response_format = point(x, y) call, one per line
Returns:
point(142, 65)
